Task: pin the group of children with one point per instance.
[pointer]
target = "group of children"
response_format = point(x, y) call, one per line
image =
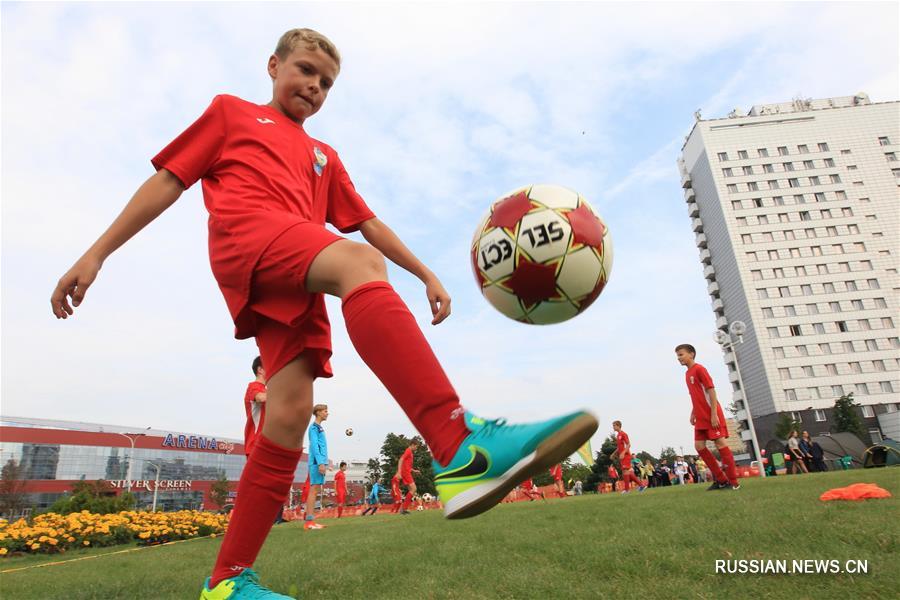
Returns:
point(269, 189)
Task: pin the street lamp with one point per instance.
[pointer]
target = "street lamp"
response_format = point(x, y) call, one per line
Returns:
point(736, 331)
point(131, 437)
point(155, 487)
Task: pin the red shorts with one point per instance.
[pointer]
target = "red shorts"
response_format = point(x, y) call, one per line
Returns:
point(702, 435)
point(625, 463)
point(289, 320)
point(406, 478)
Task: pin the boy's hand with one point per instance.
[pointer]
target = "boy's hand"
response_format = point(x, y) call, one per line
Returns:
point(439, 299)
point(74, 284)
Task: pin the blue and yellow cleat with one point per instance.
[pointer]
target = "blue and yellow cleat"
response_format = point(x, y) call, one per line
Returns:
point(496, 457)
point(241, 587)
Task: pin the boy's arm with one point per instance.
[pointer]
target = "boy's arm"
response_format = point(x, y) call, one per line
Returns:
point(260, 397)
point(157, 194)
point(713, 408)
point(386, 241)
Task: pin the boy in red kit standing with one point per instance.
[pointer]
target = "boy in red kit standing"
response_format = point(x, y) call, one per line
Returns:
point(269, 189)
point(340, 487)
point(255, 405)
point(396, 494)
point(623, 452)
point(708, 420)
point(404, 473)
point(559, 486)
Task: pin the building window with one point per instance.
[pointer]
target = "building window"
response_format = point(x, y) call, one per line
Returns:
point(790, 395)
point(795, 416)
point(867, 411)
point(823, 147)
point(773, 184)
point(814, 180)
point(773, 332)
point(808, 164)
point(880, 303)
point(812, 309)
point(825, 349)
point(779, 352)
point(793, 182)
point(727, 172)
point(837, 391)
point(850, 285)
point(886, 323)
point(835, 178)
point(804, 215)
point(806, 289)
point(884, 141)
point(790, 311)
point(890, 156)
point(768, 168)
point(878, 365)
point(757, 202)
point(848, 347)
point(829, 162)
point(762, 152)
point(819, 328)
point(855, 367)
point(742, 154)
point(890, 407)
point(846, 151)
point(820, 196)
point(783, 151)
point(799, 199)
point(840, 195)
point(753, 187)
point(795, 330)
point(746, 238)
point(762, 293)
point(723, 156)
point(816, 250)
point(802, 351)
point(828, 287)
point(768, 313)
point(886, 387)
point(873, 284)
point(851, 167)
point(732, 188)
point(842, 326)
point(831, 369)
point(820, 416)
point(779, 200)
point(875, 435)
point(784, 373)
point(748, 170)
point(871, 345)
point(813, 393)
point(736, 205)
point(784, 292)
point(807, 371)
point(834, 306)
point(803, 149)
point(762, 220)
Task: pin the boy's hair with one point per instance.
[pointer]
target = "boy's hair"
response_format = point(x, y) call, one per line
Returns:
point(257, 363)
point(413, 442)
point(687, 347)
point(311, 39)
point(619, 423)
point(318, 408)
point(343, 464)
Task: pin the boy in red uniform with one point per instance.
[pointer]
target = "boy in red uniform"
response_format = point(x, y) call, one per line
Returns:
point(530, 490)
point(623, 452)
point(255, 405)
point(396, 494)
point(269, 189)
point(613, 475)
point(340, 487)
point(404, 473)
point(557, 474)
point(708, 420)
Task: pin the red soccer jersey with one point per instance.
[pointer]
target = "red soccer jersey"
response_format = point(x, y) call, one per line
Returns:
point(699, 383)
point(256, 414)
point(622, 441)
point(406, 463)
point(261, 175)
point(395, 488)
point(611, 471)
point(527, 485)
point(340, 484)
point(556, 472)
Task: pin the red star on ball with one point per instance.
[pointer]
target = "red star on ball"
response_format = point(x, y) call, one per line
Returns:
point(589, 299)
point(508, 211)
point(533, 282)
point(587, 229)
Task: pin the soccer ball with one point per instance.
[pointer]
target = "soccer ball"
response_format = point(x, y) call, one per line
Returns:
point(420, 507)
point(348, 431)
point(541, 254)
point(427, 497)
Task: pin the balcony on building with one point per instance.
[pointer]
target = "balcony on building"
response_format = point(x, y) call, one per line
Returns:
point(700, 240)
point(709, 272)
point(738, 396)
point(693, 209)
point(697, 225)
point(732, 376)
point(718, 305)
point(689, 195)
point(729, 357)
point(712, 288)
point(705, 258)
point(721, 323)
point(741, 415)
point(746, 435)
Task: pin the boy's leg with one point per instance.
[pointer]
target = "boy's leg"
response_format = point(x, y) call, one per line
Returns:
point(269, 472)
point(311, 501)
point(727, 461)
point(710, 460)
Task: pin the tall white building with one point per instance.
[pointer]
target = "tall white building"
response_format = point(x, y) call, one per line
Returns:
point(796, 212)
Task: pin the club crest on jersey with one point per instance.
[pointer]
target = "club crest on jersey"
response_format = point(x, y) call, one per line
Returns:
point(692, 380)
point(321, 160)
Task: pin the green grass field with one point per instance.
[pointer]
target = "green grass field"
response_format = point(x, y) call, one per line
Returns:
point(661, 543)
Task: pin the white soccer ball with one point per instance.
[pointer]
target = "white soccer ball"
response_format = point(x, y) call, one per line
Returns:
point(541, 254)
point(420, 507)
point(427, 497)
point(349, 431)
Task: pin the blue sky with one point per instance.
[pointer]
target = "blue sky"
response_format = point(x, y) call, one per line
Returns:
point(439, 109)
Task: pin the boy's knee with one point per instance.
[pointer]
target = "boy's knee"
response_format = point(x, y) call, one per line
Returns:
point(370, 261)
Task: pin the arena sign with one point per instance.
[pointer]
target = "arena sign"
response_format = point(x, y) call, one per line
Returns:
point(196, 442)
point(151, 484)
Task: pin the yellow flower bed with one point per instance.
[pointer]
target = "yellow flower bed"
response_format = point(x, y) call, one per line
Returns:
point(51, 532)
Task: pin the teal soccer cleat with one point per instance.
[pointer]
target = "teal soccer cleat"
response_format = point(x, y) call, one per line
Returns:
point(496, 457)
point(245, 586)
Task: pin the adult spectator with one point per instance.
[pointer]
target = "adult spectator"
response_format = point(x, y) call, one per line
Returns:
point(693, 470)
point(806, 450)
point(818, 457)
point(680, 467)
point(793, 446)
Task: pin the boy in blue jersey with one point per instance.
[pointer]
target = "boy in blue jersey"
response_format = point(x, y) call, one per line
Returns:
point(318, 464)
point(373, 500)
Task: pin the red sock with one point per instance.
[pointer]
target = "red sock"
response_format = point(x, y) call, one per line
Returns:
point(728, 462)
point(407, 500)
point(713, 464)
point(264, 485)
point(340, 511)
point(388, 339)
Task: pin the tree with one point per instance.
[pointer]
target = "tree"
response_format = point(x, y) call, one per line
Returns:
point(667, 453)
point(785, 425)
point(393, 448)
point(846, 418)
point(602, 460)
point(218, 491)
point(373, 470)
point(95, 497)
point(12, 489)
